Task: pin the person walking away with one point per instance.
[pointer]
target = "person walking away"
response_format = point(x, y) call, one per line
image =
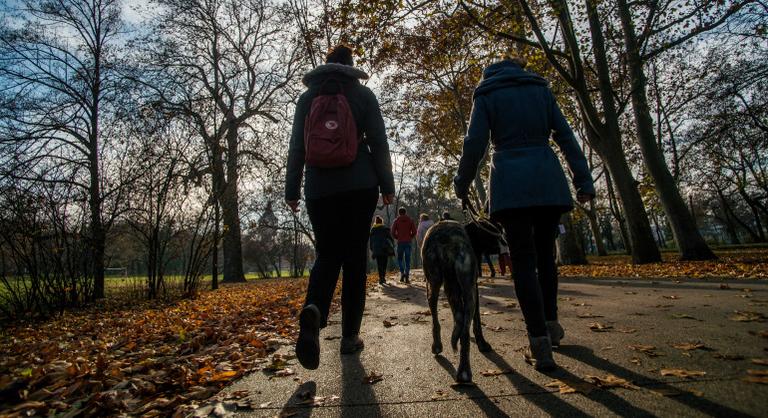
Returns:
point(403, 229)
point(516, 111)
point(382, 247)
point(339, 147)
point(421, 231)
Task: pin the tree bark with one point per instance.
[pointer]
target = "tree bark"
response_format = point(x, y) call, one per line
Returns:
point(595, 228)
point(689, 240)
point(230, 211)
point(616, 212)
point(569, 248)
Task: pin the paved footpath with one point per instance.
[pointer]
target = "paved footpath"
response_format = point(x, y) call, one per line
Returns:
point(652, 316)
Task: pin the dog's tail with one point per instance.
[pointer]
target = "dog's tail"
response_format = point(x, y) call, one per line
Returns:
point(462, 313)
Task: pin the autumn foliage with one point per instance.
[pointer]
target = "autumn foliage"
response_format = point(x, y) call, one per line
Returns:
point(749, 263)
point(144, 359)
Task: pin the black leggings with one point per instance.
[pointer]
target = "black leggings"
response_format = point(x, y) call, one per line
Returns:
point(381, 263)
point(341, 223)
point(531, 234)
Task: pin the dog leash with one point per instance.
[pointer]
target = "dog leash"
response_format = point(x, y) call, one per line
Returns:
point(482, 221)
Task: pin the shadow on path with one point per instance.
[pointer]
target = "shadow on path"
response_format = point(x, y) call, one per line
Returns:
point(474, 393)
point(547, 401)
point(702, 405)
point(357, 398)
point(615, 403)
point(292, 406)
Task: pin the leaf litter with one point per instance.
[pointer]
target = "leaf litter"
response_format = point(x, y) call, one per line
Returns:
point(149, 358)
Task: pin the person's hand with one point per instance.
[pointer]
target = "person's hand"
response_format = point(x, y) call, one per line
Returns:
point(584, 197)
point(387, 199)
point(293, 204)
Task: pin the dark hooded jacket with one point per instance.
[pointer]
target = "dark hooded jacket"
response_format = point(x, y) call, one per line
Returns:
point(380, 242)
point(517, 112)
point(373, 166)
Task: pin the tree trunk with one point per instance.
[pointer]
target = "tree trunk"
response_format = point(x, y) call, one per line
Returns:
point(569, 248)
point(616, 212)
point(230, 210)
point(689, 241)
point(595, 228)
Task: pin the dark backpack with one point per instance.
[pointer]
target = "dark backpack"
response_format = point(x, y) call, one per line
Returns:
point(330, 132)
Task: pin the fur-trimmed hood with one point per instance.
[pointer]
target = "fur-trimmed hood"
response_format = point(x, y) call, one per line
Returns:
point(506, 74)
point(325, 69)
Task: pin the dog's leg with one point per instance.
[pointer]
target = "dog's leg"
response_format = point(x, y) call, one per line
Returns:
point(477, 326)
point(464, 371)
point(434, 293)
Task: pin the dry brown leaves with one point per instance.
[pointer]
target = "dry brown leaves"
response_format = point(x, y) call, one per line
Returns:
point(610, 381)
point(495, 372)
point(740, 263)
point(148, 359)
point(648, 350)
point(746, 316)
point(566, 386)
point(682, 373)
point(757, 376)
point(598, 327)
point(690, 346)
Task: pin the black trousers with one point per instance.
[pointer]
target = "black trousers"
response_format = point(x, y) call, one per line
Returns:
point(381, 263)
point(531, 234)
point(341, 224)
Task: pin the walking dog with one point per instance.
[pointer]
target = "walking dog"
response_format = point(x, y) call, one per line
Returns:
point(450, 260)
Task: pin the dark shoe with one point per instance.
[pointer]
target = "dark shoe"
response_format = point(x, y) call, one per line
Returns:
point(382, 281)
point(351, 345)
point(402, 277)
point(541, 351)
point(308, 344)
point(556, 332)
point(407, 279)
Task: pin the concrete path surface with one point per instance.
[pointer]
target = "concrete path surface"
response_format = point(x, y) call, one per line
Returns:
point(620, 336)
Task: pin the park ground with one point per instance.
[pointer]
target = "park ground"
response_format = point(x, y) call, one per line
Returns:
point(670, 339)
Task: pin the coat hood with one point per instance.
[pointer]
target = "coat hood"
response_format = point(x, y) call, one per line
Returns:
point(322, 70)
point(506, 74)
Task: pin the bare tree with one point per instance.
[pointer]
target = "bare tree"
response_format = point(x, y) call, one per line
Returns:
point(222, 65)
point(57, 61)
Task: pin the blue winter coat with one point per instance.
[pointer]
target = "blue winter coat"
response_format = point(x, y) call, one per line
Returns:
point(517, 111)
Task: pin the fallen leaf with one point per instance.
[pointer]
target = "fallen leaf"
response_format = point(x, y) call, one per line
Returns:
point(494, 372)
point(763, 333)
point(627, 330)
point(648, 350)
point(746, 316)
point(598, 327)
point(610, 381)
point(724, 286)
point(757, 376)
point(284, 372)
point(682, 316)
point(388, 324)
point(373, 377)
point(672, 297)
point(636, 361)
point(571, 386)
point(760, 361)
point(689, 346)
point(681, 373)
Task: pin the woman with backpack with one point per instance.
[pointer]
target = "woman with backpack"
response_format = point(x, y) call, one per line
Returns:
point(339, 146)
point(382, 247)
point(515, 110)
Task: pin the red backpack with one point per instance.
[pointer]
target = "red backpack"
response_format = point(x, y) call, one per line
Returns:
point(330, 133)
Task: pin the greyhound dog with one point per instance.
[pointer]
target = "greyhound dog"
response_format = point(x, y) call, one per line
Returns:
point(449, 258)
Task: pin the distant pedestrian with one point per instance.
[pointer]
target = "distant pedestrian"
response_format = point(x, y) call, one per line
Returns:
point(343, 156)
point(424, 224)
point(382, 247)
point(403, 229)
point(517, 112)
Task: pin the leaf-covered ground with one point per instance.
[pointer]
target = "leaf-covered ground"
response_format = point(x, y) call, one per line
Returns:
point(743, 263)
point(146, 359)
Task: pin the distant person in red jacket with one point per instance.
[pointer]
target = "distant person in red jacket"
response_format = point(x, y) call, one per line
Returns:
point(403, 230)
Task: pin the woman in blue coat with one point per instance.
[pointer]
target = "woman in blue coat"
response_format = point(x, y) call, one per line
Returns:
point(516, 111)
